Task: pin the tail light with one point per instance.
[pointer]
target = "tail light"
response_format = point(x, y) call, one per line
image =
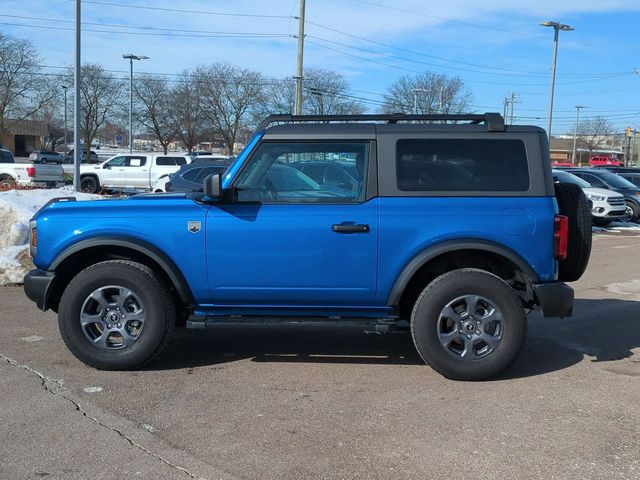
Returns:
point(560, 236)
point(33, 234)
point(31, 171)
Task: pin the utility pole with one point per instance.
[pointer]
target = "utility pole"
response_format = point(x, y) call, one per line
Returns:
point(300, 69)
point(509, 102)
point(557, 26)
point(415, 98)
point(575, 132)
point(77, 153)
point(65, 88)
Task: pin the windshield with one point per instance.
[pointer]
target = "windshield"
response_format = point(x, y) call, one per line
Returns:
point(616, 180)
point(566, 177)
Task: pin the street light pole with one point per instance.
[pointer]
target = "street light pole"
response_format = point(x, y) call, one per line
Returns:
point(65, 88)
point(557, 26)
point(77, 153)
point(131, 57)
point(575, 133)
point(415, 98)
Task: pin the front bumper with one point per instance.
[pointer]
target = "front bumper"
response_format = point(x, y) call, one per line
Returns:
point(37, 284)
point(555, 299)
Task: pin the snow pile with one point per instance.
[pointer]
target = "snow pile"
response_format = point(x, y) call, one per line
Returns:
point(16, 209)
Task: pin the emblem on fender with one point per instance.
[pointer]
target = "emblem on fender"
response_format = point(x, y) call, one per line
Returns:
point(194, 226)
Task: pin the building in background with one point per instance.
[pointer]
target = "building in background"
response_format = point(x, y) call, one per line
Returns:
point(23, 136)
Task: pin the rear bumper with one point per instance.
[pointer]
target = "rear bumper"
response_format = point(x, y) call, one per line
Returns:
point(36, 287)
point(555, 299)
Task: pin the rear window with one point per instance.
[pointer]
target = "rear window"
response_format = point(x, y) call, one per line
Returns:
point(170, 161)
point(471, 165)
point(6, 157)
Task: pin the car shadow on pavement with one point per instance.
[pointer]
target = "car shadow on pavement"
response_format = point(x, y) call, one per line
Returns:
point(603, 330)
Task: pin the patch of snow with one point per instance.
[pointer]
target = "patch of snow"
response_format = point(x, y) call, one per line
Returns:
point(631, 288)
point(16, 209)
point(32, 338)
point(92, 389)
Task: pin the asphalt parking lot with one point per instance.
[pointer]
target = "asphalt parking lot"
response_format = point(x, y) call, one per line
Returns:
point(332, 404)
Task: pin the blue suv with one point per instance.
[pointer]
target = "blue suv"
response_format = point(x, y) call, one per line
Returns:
point(450, 225)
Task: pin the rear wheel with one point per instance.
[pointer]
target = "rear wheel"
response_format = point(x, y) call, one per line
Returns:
point(468, 324)
point(7, 183)
point(116, 315)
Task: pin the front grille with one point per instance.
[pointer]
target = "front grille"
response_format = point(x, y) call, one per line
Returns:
point(615, 201)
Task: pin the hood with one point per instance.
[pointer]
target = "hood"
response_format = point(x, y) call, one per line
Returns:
point(602, 191)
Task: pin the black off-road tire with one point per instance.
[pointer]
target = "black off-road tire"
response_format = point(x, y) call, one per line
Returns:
point(573, 203)
point(160, 312)
point(448, 287)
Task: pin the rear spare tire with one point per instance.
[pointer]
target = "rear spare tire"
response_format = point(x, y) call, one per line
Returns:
point(572, 202)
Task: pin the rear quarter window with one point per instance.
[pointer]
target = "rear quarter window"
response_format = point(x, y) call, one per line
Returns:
point(6, 157)
point(462, 165)
point(170, 161)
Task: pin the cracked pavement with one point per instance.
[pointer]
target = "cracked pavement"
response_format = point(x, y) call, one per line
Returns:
point(332, 404)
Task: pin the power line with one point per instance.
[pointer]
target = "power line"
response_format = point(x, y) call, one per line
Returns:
point(179, 10)
point(190, 35)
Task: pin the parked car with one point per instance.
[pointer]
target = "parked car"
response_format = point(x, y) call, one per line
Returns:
point(46, 156)
point(615, 169)
point(607, 205)
point(92, 158)
point(457, 259)
point(603, 160)
point(190, 177)
point(28, 174)
point(331, 174)
point(601, 178)
point(138, 171)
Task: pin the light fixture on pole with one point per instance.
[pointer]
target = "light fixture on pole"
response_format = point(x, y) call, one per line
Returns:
point(415, 98)
point(77, 153)
point(131, 57)
point(557, 26)
point(575, 132)
point(65, 88)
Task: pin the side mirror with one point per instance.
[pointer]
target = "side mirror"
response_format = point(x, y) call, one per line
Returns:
point(211, 186)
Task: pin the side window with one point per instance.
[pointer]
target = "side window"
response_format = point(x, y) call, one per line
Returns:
point(116, 162)
point(282, 172)
point(191, 175)
point(594, 181)
point(462, 165)
point(7, 157)
point(137, 161)
point(205, 172)
point(170, 161)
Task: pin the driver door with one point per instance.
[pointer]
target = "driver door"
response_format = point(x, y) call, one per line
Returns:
point(285, 240)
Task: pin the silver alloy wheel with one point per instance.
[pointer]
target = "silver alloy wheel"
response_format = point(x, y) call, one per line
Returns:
point(628, 214)
point(112, 317)
point(470, 327)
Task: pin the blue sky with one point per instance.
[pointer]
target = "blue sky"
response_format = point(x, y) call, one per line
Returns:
point(495, 46)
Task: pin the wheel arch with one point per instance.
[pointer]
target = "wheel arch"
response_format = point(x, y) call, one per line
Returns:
point(446, 256)
point(90, 251)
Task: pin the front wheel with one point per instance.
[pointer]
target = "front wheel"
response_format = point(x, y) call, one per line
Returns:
point(632, 213)
point(89, 184)
point(468, 324)
point(116, 315)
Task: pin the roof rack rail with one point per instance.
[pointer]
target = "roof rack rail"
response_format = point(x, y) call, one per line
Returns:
point(493, 121)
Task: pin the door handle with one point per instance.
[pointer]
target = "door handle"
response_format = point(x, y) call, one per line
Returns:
point(346, 228)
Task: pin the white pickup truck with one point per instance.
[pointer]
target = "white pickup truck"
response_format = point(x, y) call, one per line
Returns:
point(28, 174)
point(137, 171)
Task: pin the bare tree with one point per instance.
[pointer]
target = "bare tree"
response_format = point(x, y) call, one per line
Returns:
point(326, 92)
point(23, 90)
point(229, 95)
point(595, 133)
point(431, 92)
point(100, 98)
point(187, 109)
point(155, 112)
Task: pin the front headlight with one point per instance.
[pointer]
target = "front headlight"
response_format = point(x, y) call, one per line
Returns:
point(596, 198)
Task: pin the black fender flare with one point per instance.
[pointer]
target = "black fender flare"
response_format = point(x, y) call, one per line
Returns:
point(402, 280)
point(154, 253)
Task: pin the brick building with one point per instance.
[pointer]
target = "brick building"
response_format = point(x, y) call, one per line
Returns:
point(23, 136)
